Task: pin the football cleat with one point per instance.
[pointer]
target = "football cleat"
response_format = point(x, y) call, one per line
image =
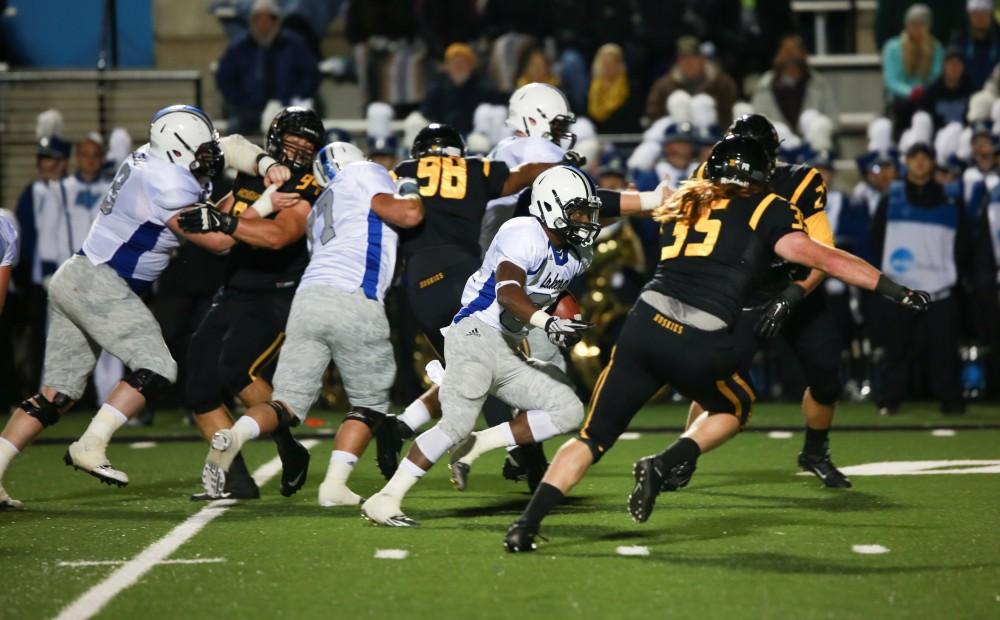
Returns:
point(648, 481)
point(220, 457)
point(460, 470)
point(294, 462)
point(235, 487)
point(520, 537)
point(331, 494)
point(7, 502)
point(389, 438)
point(824, 469)
point(535, 465)
point(91, 459)
point(385, 510)
point(513, 470)
point(679, 476)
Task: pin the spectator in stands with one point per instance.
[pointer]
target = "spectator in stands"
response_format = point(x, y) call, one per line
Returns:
point(791, 86)
point(534, 66)
point(453, 96)
point(693, 73)
point(947, 98)
point(266, 64)
point(921, 241)
point(979, 41)
point(612, 172)
point(613, 103)
point(948, 18)
point(911, 61)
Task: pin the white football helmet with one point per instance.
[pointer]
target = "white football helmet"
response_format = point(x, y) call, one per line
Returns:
point(565, 200)
point(184, 135)
point(332, 158)
point(541, 110)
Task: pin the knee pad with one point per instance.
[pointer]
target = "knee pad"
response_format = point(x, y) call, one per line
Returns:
point(826, 388)
point(371, 418)
point(45, 411)
point(147, 383)
point(286, 419)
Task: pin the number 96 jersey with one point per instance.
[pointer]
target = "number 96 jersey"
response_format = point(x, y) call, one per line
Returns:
point(523, 242)
point(350, 247)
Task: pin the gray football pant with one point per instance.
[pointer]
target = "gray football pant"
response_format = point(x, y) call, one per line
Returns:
point(541, 349)
point(92, 308)
point(481, 361)
point(352, 330)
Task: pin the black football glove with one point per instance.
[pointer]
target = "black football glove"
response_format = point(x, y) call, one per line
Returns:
point(204, 218)
point(572, 158)
point(565, 332)
point(918, 301)
point(778, 311)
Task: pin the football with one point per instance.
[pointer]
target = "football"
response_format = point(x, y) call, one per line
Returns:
point(566, 307)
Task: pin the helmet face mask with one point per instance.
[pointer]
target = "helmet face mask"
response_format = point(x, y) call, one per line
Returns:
point(580, 225)
point(301, 123)
point(209, 161)
point(560, 133)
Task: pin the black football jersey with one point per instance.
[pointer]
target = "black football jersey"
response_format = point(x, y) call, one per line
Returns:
point(454, 191)
point(260, 269)
point(715, 264)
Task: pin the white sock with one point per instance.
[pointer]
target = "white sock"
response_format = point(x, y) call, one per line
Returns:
point(404, 478)
point(490, 439)
point(541, 425)
point(416, 415)
point(7, 453)
point(245, 429)
point(341, 465)
point(106, 421)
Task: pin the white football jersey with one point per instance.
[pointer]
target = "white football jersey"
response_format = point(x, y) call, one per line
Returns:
point(523, 242)
point(515, 151)
point(350, 247)
point(8, 239)
point(130, 233)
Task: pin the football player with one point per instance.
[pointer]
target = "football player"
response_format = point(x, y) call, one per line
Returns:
point(233, 350)
point(529, 263)
point(94, 296)
point(337, 312)
point(796, 311)
point(718, 235)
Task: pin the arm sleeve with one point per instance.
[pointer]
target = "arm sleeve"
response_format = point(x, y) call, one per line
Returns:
point(517, 242)
point(611, 202)
point(775, 217)
point(496, 174)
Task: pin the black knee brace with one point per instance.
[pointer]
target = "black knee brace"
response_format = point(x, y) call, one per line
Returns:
point(373, 419)
point(286, 419)
point(147, 383)
point(46, 412)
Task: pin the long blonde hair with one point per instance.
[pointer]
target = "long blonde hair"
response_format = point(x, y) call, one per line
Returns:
point(696, 196)
point(918, 56)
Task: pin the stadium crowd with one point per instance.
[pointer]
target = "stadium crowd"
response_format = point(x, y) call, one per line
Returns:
point(926, 210)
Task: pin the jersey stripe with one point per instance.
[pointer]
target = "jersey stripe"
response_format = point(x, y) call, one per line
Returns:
point(759, 211)
point(126, 257)
point(802, 186)
point(373, 257)
point(482, 301)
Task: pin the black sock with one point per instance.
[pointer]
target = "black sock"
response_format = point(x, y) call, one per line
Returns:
point(816, 441)
point(684, 449)
point(546, 498)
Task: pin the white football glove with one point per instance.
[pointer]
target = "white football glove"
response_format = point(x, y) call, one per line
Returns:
point(566, 332)
point(407, 186)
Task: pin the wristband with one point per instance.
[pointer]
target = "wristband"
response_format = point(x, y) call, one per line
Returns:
point(649, 201)
point(263, 205)
point(264, 163)
point(540, 319)
point(503, 283)
point(892, 290)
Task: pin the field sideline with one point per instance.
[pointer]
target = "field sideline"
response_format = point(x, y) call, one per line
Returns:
point(748, 538)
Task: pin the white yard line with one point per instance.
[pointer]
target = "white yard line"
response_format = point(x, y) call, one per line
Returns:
point(79, 563)
point(94, 599)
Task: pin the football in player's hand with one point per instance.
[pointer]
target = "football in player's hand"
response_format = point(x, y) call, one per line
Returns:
point(566, 307)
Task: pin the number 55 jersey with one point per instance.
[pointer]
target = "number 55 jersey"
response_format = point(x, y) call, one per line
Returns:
point(350, 247)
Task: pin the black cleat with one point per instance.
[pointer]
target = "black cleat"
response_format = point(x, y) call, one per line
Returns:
point(679, 476)
point(648, 481)
point(824, 469)
point(513, 469)
point(389, 438)
point(521, 537)
point(294, 462)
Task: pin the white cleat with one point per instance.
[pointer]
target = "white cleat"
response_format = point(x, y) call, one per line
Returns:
point(7, 502)
point(333, 494)
point(89, 458)
point(220, 457)
point(385, 510)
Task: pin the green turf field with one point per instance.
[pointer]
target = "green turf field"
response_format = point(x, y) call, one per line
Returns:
point(747, 539)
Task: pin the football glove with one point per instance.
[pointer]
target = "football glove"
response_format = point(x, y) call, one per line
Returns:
point(778, 311)
point(908, 298)
point(565, 332)
point(205, 218)
point(915, 300)
point(572, 158)
point(407, 186)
